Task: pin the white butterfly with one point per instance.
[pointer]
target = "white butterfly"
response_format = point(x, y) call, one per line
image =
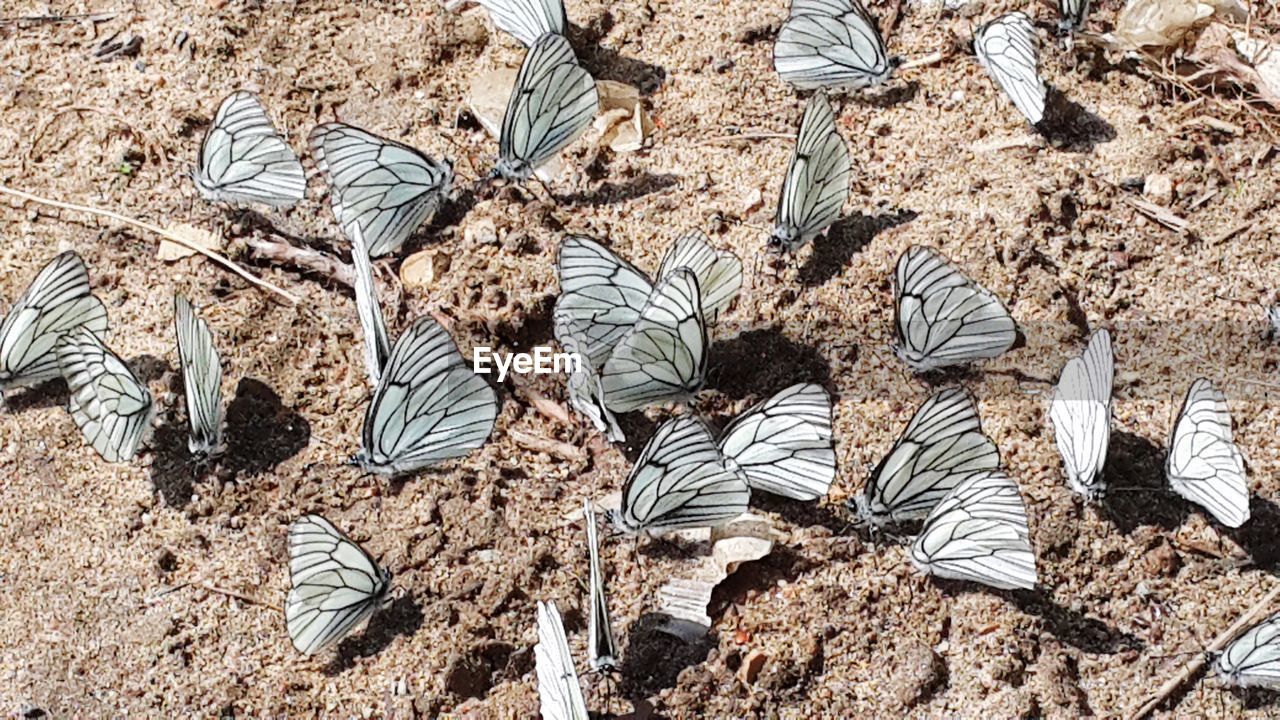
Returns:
point(244, 160)
point(335, 584)
point(109, 404)
point(831, 44)
point(601, 645)
point(1253, 659)
point(559, 692)
point(552, 103)
point(1074, 13)
point(979, 533)
point(817, 181)
point(428, 407)
point(784, 445)
point(650, 340)
point(679, 481)
point(942, 447)
point(586, 392)
point(377, 345)
point(57, 301)
point(943, 317)
point(1010, 51)
point(385, 188)
point(527, 20)
point(201, 380)
point(1081, 415)
point(1204, 465)
point(663, 357)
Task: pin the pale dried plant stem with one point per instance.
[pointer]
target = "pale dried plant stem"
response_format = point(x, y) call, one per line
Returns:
point(171, 237)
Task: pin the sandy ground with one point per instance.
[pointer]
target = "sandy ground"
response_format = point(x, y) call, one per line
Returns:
point(105, 568)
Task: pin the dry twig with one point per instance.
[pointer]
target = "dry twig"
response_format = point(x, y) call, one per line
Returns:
point(1194, 664)
point(313, 261)
point(220, 259)
point(552, 447)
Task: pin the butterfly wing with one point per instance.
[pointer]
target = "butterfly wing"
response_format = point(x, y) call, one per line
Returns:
point(527, 20)
point(586, 393)
point(377, 345)
point(57, 301)
point(601, 645)
point(831, 44)
point(244, 160)
point(680, 481)
point(664, 356)
point(1081, 415)
point(943, 317)
point(1204, 465)
point(941, 447)
point(601, 296)
point(979, 533)
point(784, 445)
point(109, 404)
point(385, 188)
point(1253, 659)
point(335, 584)
point(817, 181)
point(551, 104)
point(201, 379)
point(559, 691)
point(1073, 13)
point(428, 407)
point(1008, 48)
point(719, 273)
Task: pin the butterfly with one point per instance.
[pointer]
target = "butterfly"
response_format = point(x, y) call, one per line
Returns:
point(1204, 465)
point(109, 404)
point(943, 317)
point(831, 44)
point(201, 380)
point(428, 406)
point(817, 181)
point(609, 308)
point(559, 692)
point(527, 20)
point(334, 584)
point(601, 645)
point(385, 188)
point(978, 532)
point(784, 444)
point(1253, 659)
point(244, 160)
point(680, 480)
point(552, 103)
point(1074, 13)
point(58, 301)
point(942, 446)
point(377, 346)
point(1081, 415)
point(586, 392)
point(1008, 48)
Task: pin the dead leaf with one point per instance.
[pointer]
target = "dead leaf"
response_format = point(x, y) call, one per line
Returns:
point(622, 123)
point(421, 269)
point(170, 251)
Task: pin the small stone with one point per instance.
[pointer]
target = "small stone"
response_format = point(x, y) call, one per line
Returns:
point(918, 670)
point(481, 232)
point(1158, 188)
point(751, 666)
point(722, 66)
point(1161, 559)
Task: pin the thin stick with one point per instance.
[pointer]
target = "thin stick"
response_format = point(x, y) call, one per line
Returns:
point(1198, 661)
point(931, 58)
point(223, 261)
point(560, 449)
point(720, 139)
point(240, 596)
point(314, 261)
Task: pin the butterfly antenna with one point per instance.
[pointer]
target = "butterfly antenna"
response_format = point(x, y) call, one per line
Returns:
point(463, 154)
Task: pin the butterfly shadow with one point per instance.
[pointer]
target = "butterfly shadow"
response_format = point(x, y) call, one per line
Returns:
point(403, 617)
point(1136, 491)
point(605, 63)
point(759, 363)
point(1069, 126)
point(655, 655)
point(1256, 698)
point(1258, 535)
point(261, 432)
point(609, 193)
point(833, 251)
point(804, 514)
point(173, 470)
point(889, 95)
point(1074, 627)
point(48, 394)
